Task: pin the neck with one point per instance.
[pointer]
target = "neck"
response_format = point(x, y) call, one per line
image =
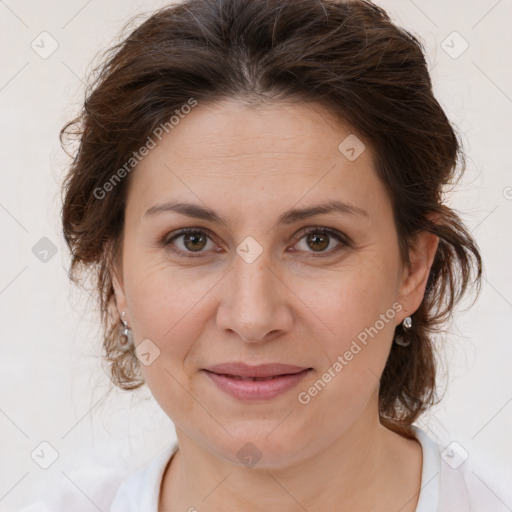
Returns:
point(367, 467)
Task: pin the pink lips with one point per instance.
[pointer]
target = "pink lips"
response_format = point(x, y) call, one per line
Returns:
point(260, 382)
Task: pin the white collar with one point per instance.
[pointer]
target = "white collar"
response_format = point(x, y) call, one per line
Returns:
point(141, 490)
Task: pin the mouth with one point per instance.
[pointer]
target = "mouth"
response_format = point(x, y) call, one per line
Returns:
point(255, 382)
point(261, 371)
point(254, 379)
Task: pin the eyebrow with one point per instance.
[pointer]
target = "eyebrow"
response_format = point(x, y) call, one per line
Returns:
point(288, 217)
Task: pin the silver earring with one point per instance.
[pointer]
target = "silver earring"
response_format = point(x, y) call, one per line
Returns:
point(126, 339)
point(400, 338)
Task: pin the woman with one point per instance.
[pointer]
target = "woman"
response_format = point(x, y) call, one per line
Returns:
point(259, 187)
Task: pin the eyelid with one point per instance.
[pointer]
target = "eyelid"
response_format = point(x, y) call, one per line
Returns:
point(330, 231)
point(183, 231)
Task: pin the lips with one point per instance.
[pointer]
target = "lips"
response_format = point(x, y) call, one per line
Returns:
point(242, 371)
point(254, 379)
point(262, 382)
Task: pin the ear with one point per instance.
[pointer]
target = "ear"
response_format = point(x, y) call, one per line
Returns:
point(115, 269)
point(415, 276)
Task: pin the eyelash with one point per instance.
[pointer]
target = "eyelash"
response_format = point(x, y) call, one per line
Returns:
point(344, 241)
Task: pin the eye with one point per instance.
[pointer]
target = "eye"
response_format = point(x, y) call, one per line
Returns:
point(193, 240)
point(320, 239)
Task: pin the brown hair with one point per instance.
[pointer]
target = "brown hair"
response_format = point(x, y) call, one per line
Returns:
point(345, 55)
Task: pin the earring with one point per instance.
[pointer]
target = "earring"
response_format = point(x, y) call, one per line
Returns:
point(126, 340)
point(401, 338)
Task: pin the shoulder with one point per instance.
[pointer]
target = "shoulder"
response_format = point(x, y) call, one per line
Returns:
point(141, 490)
point(86, 489)
point(452, 480)
point(108, 489)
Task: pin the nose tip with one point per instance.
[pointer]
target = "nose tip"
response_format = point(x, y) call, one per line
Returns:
point(252, 304)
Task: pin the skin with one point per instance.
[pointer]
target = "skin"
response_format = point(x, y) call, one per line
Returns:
point(250, 164)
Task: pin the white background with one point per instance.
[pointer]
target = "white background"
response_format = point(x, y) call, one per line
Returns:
point(52, 386)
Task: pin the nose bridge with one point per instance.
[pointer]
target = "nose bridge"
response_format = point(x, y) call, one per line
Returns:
point(252, 303)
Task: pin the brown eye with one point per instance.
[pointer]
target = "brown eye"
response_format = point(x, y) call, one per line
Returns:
point(322, 241)
point(188, 241)
point(194, 241)
point(318, 241)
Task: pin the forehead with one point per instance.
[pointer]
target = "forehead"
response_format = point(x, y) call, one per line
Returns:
point(231, 130)
point(234, 153)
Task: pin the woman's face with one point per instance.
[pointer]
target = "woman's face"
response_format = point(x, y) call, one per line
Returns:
point(255, 287)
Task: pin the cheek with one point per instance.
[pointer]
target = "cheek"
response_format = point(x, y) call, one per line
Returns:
point(355, 349)
point(169, 313)
point(357, 313)
point(349, 300)
point(170, 309)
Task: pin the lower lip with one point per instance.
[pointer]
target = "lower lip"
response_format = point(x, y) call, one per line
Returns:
point(256, 389)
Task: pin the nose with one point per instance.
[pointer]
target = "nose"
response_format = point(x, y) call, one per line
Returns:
point(253, 303)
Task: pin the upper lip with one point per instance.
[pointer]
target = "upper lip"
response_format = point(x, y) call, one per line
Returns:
point(262, 370)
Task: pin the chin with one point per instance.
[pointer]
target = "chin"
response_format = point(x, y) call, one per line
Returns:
point(260, 448)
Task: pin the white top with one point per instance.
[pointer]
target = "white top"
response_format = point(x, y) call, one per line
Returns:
point(449, 483)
